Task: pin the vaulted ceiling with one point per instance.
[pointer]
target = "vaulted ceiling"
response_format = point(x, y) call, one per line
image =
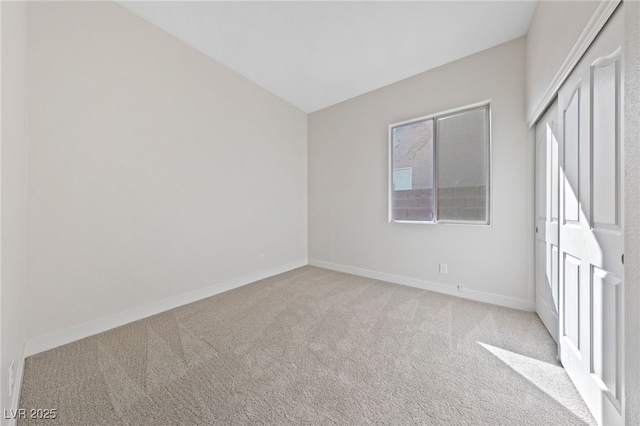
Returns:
point(314, 54)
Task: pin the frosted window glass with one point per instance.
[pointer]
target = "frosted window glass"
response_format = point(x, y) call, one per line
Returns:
point(462, 149)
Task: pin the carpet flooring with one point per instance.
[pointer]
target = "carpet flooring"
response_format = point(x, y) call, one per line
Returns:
point(311, 346)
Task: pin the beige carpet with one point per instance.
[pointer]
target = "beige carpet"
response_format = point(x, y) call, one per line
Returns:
point(311, 346)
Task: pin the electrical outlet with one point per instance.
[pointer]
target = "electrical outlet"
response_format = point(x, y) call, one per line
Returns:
point(460, 288)
point(261, 258)
point(444, 268)
point(11, 378)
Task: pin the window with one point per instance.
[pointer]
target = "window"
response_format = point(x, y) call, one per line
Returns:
point(440, 168)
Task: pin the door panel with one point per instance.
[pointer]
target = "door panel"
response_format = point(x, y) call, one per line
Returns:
point(606, 331)
point(555, 288)
point(547, 220)
point(605, 150)
point(554, 173)
point(591, 237)
point(571, 164)
point(542, 271)
point(572, 302)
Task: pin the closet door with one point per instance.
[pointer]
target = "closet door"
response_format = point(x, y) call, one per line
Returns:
point(591, 228)
point(547, 214)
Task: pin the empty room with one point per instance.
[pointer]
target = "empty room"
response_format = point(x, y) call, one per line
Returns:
point(319, 212)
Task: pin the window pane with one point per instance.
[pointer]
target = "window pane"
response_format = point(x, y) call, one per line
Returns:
point(462, 150)
point(412, 177)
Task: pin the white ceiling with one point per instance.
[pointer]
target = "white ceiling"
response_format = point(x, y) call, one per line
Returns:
point(316, 54)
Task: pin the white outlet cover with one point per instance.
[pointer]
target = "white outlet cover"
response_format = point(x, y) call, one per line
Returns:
point(444, 268)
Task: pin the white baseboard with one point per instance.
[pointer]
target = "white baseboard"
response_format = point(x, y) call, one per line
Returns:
point(58, 338)
point(479, 296)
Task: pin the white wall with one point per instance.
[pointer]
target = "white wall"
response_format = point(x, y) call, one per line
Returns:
point(554, 30)
point(13, 153)
point(153, 170)
point(632, 207)
point(348, 172)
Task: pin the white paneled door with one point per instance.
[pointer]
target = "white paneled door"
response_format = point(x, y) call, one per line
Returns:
point(590, 250)
point(547, 215)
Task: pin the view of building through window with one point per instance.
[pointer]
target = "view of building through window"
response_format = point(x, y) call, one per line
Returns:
point(413, 171)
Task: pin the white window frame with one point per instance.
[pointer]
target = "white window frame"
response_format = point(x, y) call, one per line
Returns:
point(488, 165)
